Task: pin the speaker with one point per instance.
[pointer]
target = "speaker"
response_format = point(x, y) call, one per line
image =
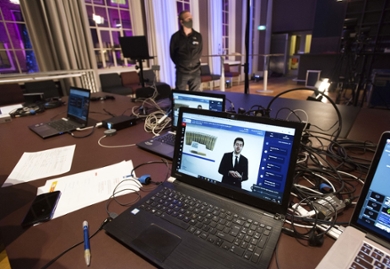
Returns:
point(380, 90)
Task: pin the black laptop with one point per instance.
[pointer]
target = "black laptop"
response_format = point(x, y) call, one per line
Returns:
point(199, 220)
point(77, 115)
point(365, 243)
point(163, 144)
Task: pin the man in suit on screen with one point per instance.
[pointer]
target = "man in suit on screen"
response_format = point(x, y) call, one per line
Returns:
point(234, 166)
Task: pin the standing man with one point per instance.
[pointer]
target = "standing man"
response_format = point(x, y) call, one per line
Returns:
point(185, 51)
point(234, 166)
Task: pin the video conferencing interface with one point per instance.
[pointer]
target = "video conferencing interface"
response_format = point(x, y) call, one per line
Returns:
point(195, 101)
point(78, 104)
point(207, 143)
point(375, 212)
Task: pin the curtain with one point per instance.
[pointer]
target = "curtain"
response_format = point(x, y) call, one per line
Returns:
point(60, 36)
point(215, 32)
point(162, 23)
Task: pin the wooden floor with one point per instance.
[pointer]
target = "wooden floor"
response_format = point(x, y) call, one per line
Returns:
point(275, 85)
point(4, 263)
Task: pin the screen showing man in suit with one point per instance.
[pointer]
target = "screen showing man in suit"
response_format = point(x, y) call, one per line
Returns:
point(234, 166)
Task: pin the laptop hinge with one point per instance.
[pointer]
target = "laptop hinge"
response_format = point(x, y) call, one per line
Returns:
point(377, 240)
point(277, 216)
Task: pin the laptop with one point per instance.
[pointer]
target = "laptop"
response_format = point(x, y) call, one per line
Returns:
point(77, 115)
point(199, 220)
point(163, 144)
point(366, 240)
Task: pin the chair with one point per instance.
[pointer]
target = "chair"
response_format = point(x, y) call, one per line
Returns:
point(149, 77)
point(112, 83)
point(47, 87)
point(150, 80)
point(206, 76)
point(11, 94)
point(231, 74)
point(131, 80)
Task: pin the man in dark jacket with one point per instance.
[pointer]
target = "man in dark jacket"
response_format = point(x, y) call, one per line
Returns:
point(185, 51)
point(234, 166)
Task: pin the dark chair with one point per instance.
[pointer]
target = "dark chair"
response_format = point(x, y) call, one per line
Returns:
point(11, 94)
point(131, 80)
point(112, 83)
point(206, 76)
point(149, 77)
point(47, 87)
point(150, 81)
point(231, 74)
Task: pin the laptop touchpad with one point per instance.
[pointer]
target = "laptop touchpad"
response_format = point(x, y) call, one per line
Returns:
point(158, 242)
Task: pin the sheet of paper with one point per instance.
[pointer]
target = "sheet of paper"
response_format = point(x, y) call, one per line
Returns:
point(5, 110)
point(90, 187)
point(36, 165)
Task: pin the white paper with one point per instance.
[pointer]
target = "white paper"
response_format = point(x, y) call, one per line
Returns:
point(36, 165)
point(5, 110)
point(90, 187)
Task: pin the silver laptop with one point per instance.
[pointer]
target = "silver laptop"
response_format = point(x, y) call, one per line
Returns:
point(77, 115)
point(163, 144)
point(365, 243)
point(218, 213)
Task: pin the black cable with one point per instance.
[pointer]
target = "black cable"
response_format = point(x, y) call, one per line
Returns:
point(268, 109)
point(77, 244)
point(231, 109)
point(136, 191)
point(109, 113)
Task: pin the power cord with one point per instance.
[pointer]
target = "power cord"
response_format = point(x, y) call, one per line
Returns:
point(92, 128)
point(156, 122)
point(140, 187)
point(107, 220)
point(268, 109)
point(109, 133)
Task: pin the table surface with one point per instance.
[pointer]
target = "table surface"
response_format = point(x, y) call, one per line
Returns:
point(36, 246)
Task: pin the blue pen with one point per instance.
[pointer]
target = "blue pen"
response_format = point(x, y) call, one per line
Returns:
point(87, 251)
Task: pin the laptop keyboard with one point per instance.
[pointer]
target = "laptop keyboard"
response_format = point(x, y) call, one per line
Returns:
point(168, 138)
point(62, 126)
point(225, 229)
point(371, 257)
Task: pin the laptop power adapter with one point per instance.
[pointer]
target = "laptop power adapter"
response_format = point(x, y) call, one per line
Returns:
point(120, 122)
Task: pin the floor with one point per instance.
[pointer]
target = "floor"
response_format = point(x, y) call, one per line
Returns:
point(4, 263)
point(275, 85)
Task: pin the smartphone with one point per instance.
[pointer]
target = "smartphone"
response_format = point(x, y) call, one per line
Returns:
point(42, 208)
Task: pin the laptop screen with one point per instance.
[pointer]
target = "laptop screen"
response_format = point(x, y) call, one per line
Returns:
point(266, 153)
point(373, 209)
point(78, 104)
point(199, 100)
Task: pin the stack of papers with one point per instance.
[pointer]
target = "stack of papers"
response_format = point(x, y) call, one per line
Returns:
point(36, 165)
point(90, 187)
point(78, 190)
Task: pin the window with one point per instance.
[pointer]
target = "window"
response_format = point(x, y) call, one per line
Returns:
point(225, 27)
point(16, 53)
point(182, 5)
point(109, 20)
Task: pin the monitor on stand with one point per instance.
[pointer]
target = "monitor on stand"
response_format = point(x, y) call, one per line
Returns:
point(136, 48)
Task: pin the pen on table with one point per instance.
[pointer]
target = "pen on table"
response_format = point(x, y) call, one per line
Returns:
point(87, 251)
